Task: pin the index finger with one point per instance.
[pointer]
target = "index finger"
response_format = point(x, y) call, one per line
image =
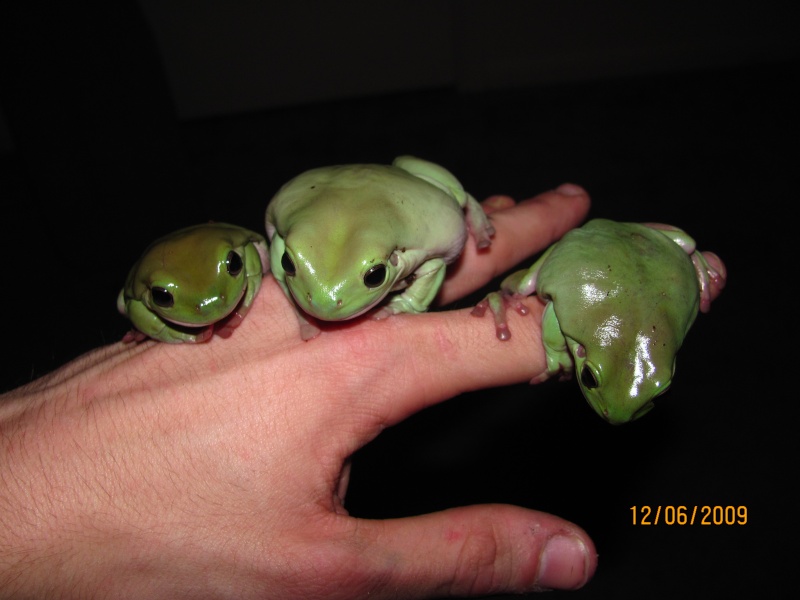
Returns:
point(446, 353)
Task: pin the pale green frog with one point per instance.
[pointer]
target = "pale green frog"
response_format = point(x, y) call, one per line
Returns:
point(348, 238)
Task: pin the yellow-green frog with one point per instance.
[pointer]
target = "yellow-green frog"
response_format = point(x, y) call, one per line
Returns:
point(187, 282)
point(345, 239)
point(619, 301)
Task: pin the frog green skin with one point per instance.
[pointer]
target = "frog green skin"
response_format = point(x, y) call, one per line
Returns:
point(190, 280)
point(344, 238)
point(619, 301)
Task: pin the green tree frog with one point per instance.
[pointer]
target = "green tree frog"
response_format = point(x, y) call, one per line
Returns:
point(619, 301)
point(186, 282)
point(345, 238)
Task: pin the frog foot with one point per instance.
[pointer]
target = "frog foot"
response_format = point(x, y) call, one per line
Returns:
point(498, 302)
point(308, 331)
point(134, 335)
point(384, 312)
point(546, 375)
point(225, 327)
point(203, 335)
point(478, 223)
point(712, 275)
point(497, 202)
point(559, 364)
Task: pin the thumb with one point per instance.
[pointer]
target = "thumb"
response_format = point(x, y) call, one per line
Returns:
point(478, 550)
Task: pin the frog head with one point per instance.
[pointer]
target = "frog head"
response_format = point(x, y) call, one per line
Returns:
point(192, 278)
point(621, 381)
point(339, 275)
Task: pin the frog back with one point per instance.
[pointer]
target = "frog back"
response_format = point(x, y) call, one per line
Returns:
point(358, 205)
point(607, 264)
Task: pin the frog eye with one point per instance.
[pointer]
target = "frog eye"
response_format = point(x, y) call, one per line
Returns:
point(161, 297)
point(234, 263)
point(588, 379)
point(288, 265)
point(375, 276)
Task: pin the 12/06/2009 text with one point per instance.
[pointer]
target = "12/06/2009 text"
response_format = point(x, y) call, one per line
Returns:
point(688, 515)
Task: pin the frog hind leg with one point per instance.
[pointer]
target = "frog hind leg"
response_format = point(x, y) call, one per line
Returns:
point(256, 262)
point(478, 223)
point(559, 360)
point(711, 272)
point(477, 220)
point(676, 234)
point(513, 288)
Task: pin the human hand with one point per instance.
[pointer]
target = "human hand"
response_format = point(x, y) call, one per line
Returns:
point(219, 470)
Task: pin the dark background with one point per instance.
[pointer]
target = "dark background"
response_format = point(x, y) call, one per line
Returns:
point(103, 154)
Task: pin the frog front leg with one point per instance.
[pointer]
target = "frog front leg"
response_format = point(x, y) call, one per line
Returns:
point(151, 325)
point(256, 264)
point(516, 286)
point(559, 359)
point(419, 293)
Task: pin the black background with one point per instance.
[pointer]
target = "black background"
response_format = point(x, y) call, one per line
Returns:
point(101, 166)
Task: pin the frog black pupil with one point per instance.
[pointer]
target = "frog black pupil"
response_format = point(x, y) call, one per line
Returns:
point(587, 378)
point(162, 297)
point(234, 263)
point(287, 264)
point(375, 276)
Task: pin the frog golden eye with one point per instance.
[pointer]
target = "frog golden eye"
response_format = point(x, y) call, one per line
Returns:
point(161, 297)
point(588, 379)
point(288, 265)
point(375, 276)
point(234, 263)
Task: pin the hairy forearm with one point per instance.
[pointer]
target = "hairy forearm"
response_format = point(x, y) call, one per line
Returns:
point(54, 500)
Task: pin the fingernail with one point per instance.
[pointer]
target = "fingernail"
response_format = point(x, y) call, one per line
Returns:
point(570, 189)
point(563, 563)
point(497, 202)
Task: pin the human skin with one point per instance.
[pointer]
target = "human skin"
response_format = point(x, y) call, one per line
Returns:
point(219, 470)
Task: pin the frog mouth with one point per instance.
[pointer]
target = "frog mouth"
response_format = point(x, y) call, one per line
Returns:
point(191, 329)
point(338, 314)
point(337, 310)
point(204, 320)
point(643, 410)
point(621, 420)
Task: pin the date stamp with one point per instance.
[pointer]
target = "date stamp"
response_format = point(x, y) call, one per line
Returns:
point(688, 515)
